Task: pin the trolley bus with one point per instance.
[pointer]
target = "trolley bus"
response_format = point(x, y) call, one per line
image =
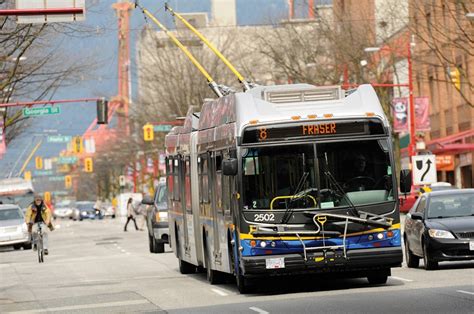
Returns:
point(269, 182)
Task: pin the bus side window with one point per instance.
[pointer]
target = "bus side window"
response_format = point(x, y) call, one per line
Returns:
point(205, 179)
point(218, 181)
point(187, 184)
point(176, 188)
point(169, 176)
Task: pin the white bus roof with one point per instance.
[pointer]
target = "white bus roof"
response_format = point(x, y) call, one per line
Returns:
point(279, 103)
point(14, 185)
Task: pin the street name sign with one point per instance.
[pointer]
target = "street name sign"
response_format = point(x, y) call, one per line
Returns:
point(162, 128)
point(42, 173)
point(424, 169)
point(57, 178)
point(67, 160)
point(41, 111)
point(59, 138)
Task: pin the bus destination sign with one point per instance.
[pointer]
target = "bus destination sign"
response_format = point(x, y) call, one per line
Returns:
point(265, 133)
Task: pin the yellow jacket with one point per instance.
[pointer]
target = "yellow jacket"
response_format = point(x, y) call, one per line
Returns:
point(31, 214)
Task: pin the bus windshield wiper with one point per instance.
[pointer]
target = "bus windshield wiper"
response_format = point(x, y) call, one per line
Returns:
point(352, 210)
point(299, 187)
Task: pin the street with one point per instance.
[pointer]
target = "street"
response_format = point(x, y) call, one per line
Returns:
point(95, 267)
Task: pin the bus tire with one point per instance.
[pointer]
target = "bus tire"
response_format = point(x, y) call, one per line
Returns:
point(242, 284)
point(378, 278)
point(213, 276)
point(186, 268)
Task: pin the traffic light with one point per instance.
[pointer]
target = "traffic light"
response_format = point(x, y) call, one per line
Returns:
point(77, 145)
point(39, 162)
point(47, 197)
point(88, 165)
point(455, 78)
point(27, 175)
point(148, 132)
point(102, 111)
point(68, 182)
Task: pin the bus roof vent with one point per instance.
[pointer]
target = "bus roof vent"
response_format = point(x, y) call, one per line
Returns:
point(304, 95)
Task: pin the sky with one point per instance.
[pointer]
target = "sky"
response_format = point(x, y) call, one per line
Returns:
point(102, 47)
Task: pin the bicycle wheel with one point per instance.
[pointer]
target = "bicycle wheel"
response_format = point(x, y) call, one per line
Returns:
point(39, 246)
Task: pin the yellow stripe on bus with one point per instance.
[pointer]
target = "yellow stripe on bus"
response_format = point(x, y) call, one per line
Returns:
point(248, 236)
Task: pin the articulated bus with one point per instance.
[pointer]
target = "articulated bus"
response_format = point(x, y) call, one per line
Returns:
point(282, 180)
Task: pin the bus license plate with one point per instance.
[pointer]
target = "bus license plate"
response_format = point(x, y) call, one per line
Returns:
point(275, 263)
point(471, 245)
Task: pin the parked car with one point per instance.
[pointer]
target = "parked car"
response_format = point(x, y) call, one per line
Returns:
point(64, 209)
point(157, 219)
point(407, 202)
point(440, 227)
point(13, 229)
point(108, 210)
point(86, 210)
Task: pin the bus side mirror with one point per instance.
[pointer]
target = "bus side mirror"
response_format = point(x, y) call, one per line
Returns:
point(229, 166)
point(405, 181)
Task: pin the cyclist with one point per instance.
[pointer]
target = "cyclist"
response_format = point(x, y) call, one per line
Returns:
point(39, 213)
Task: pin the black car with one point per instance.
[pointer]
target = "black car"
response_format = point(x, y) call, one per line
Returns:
point(157, 219)
point(86, 210)
point(440, 227)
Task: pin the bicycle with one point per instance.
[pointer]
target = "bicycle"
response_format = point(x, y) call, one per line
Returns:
point(39, 243)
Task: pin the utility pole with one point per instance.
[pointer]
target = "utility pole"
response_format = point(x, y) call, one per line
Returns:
point(123, 9)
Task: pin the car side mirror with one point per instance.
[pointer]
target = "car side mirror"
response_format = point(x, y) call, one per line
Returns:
point(405, 181)
point(416, 216)
point(229, 167)
point(147, 200)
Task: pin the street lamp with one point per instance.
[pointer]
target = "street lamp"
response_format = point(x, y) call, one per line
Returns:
point(411, 105)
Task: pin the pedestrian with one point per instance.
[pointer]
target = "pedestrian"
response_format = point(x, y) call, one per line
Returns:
point(39, 213)
point(130, 214)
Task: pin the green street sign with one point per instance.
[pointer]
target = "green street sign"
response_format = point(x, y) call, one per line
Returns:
point(57, 178)
point(41, 111)
point(67, 160)
point(61, 193)
point(59, 138)
point(162, 128)
point(38, 173)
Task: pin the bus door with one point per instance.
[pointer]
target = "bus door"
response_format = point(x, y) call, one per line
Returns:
point(217, 210)
point(187, 214)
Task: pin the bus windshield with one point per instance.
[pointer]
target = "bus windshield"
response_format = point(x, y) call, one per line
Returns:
point(322, 175)
point(22, 199)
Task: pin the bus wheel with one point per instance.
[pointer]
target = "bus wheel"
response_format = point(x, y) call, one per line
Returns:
point(242, 284)
point(213, 276)
point(378, 278)
point(186, 268)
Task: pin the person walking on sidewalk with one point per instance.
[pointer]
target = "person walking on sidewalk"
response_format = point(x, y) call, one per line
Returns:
point(130, 214)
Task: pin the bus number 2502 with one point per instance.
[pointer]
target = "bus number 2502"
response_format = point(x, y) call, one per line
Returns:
point(264, 217)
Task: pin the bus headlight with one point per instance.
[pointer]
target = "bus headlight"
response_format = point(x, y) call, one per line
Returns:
point(263, 244)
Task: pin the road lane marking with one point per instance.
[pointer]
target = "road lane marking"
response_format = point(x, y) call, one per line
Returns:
point(85, 306)
point(465, 292)
point(220, 292)
point(256, 309)
point(402, 279)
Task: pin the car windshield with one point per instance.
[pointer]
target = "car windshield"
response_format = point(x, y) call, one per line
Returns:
point(282, 177)
point(10, 214)
point(161, 195)
point(85, 206)
point(451, 205)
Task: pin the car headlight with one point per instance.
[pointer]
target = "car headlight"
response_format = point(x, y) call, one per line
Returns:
point(442, 234)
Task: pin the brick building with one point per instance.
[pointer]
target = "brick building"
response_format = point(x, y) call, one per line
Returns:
point(443, 70)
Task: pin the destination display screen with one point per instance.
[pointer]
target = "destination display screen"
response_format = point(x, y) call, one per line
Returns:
point(315, 129)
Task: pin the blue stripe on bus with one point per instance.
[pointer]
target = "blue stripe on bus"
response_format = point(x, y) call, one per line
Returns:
point(294, 246)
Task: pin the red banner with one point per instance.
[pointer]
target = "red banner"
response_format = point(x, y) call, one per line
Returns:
point(400, 114)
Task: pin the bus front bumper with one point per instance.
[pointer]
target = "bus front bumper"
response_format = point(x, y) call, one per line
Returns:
point(320, 262)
